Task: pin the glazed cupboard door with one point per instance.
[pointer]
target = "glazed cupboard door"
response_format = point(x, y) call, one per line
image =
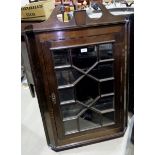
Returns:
point(88, 88)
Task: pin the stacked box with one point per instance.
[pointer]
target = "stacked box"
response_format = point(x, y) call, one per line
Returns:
point(37, 11)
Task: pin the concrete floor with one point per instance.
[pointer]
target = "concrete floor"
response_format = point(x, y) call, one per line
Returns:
point(34, 141)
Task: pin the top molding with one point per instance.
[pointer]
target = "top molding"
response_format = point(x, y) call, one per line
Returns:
point(80, 19)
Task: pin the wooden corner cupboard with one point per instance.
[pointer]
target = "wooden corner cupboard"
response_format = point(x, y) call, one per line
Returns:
point(80, 74)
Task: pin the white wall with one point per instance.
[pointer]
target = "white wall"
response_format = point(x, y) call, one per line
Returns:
point(23, 2)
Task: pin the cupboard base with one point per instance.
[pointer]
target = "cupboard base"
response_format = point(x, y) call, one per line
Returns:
point(88, 142)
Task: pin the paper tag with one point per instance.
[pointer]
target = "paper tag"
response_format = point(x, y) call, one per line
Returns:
point(83, 50)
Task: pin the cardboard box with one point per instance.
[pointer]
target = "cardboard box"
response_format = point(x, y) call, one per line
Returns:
point(37, 11)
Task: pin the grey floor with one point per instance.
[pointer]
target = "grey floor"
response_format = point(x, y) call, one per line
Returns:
point(34, 142)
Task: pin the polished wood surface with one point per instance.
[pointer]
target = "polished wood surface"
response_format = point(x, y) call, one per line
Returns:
point(52, 34)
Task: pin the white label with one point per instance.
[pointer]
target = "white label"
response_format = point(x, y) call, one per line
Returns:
point(83, 50)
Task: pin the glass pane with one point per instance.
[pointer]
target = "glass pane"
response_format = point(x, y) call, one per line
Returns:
point(67, 76)
point(105, 51)
point(107, 87)
point(104, 103)
point(84, 57)
point(66, 94)
point(86, 90)
point(102, 70)
point(71, 109)
point(70, 126)
point(61, 57)
point(89, 120)
point(108, 119)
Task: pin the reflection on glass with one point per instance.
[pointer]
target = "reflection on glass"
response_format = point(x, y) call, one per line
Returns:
point(105, 51)
point(108, 119)
point(71, 110)
point(86, 90)
point(107, 87)
point(102, 70)
point(70, 126)
point(84, 57)
point(67, 76)
point(61, 57)
point(104, 103)
point(89, 120)
point(66, 94)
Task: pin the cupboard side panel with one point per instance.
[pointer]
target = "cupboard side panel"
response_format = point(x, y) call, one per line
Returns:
point(35, 57)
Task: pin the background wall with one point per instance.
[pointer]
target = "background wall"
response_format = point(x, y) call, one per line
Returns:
point(23, 2)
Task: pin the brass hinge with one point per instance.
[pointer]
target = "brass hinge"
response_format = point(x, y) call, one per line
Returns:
point(52, 98)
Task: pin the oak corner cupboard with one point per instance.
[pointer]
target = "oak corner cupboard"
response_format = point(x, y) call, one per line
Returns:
point(80, 75)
